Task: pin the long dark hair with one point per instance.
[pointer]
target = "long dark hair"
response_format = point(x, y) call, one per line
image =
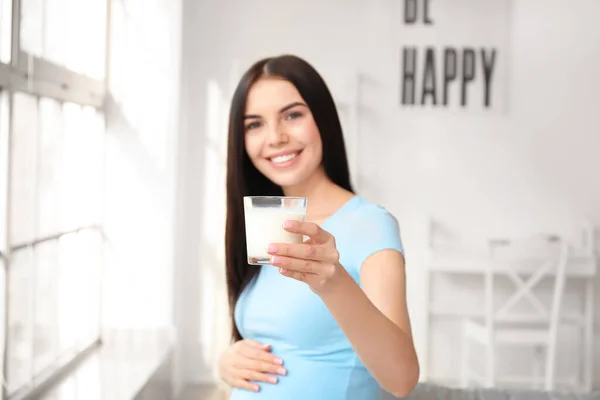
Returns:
point(243, 179)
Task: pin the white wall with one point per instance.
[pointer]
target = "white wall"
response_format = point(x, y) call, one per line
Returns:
point(142, 117)
point(200, 295)
point(530, 166)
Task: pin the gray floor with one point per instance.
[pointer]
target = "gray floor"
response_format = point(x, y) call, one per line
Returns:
point(121, 369)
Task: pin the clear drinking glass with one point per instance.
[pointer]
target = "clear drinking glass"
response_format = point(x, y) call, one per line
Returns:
point(264, 216)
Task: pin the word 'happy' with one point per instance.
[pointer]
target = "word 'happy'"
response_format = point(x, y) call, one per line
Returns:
point(430, 75)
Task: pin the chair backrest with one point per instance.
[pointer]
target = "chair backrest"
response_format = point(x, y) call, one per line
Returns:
point(526, 262)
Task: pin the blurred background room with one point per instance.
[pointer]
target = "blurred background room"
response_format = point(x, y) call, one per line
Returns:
point(475, 122)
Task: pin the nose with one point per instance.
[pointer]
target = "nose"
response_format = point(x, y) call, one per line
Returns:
point(276, 136)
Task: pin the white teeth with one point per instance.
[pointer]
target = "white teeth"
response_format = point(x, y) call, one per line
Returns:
point(281, 159)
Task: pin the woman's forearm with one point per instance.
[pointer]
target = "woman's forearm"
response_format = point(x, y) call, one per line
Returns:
point(385, 349)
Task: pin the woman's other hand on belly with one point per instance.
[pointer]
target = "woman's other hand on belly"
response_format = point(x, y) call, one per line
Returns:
point(246, 362)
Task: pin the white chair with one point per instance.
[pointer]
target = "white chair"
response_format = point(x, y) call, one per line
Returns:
point(525, 263)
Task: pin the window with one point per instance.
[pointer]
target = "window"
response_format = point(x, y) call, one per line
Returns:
point(23, 169)
point(4, 118)
point(86, 33)
point(5, 30)
point(4, 127)
point(51, 185)
point(54, 271)
point(45, 328)
point(32, 12)
point(78, 292)
point(49, 178)
point(74, 35)
point(55, 46)
point(20, 320)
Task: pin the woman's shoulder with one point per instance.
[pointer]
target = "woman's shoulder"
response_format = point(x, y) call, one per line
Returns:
point(365, 219)
point(368, 211)
point(368, 227)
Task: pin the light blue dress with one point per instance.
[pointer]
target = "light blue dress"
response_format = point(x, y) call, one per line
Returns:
point(286, 314)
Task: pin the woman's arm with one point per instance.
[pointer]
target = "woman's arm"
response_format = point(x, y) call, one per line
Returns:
point(375, 319)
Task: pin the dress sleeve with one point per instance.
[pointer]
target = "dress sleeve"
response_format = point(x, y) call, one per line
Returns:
point(377, 230)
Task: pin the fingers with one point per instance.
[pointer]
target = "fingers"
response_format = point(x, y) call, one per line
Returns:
point(247, 375)
point(243, 384)
point(256, 371)
point(305, 251)
point(310, 229)
point(299, 276)
point(259, 354)
point(252, 375)
point(251, 362)
point(261, 366)
point(257, 359)
point(297, 265)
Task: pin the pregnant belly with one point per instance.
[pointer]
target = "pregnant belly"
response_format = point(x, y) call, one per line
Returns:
point(315, 380)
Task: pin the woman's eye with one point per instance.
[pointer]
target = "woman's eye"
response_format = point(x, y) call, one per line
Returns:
point(253, 125)
point(293, 115)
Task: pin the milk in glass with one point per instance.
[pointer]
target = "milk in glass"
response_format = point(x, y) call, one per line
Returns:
point(264, 225)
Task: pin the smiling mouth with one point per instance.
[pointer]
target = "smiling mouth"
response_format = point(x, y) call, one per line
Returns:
point(284, 158)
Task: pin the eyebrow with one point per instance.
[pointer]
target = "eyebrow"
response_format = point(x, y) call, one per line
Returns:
point(284, 109)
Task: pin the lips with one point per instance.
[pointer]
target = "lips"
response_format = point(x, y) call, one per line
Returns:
point(284, 159)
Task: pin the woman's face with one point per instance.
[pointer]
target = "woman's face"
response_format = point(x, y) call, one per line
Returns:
point(281, 137)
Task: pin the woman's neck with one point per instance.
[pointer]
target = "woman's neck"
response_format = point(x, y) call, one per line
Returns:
point(312, 188)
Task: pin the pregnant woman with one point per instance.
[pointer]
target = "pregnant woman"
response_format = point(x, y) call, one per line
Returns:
point(326, 319)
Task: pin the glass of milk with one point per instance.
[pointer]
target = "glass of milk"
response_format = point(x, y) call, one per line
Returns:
point(264, 217)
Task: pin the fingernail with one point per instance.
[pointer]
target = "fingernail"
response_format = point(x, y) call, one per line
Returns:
point(275, 259)
point(255, 388)
point(288, 224)
point(272, 248)
point(283, 271)
point(272, 379)
point(281, 371)
point(278, 361)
